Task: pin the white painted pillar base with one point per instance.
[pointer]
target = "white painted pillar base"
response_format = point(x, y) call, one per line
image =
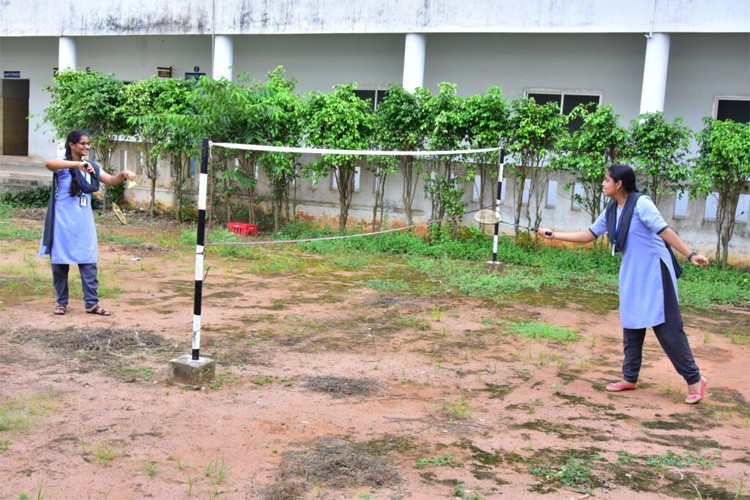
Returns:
point(414, 57)
point(66, 53)
point(655, 73)
point(223, 57)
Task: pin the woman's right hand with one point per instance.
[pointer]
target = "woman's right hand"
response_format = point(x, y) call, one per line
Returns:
point(87, 167)
point(545, 233)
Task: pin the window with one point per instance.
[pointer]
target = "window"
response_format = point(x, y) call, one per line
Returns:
point(737, 109)
point(742, 208)
point(680, 205)
point(123, 159)
point(551, 194)
point(566, 101)
point(526, 191)
point(577, 190)
point(335, 183)
point(475, 193)
point(374, 96)
point(712, 207)
point(139, 162)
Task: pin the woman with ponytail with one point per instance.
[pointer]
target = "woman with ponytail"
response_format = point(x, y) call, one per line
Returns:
point(648, 278)
point(69, 232)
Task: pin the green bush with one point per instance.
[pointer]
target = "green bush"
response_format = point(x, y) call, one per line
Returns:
point(36, 197)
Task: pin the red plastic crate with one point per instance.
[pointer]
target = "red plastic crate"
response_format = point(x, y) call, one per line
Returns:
point(242, 229)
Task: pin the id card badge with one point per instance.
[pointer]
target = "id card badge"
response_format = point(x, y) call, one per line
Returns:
point(613, 249)
point(83, 201)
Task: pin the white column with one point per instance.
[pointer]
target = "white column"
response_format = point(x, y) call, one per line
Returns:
point(655, 73)
point(223, 57)
point(414, 55)
point(66, 53)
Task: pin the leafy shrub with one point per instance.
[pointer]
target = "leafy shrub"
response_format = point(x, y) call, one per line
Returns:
point(36, 197)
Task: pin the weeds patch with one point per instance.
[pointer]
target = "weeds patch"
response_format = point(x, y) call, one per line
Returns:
point(107, 349)
point(569, 469)
point(342, 387)
point(337, 464)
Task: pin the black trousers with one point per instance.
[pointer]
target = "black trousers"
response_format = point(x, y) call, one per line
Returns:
point(89, 282)
point(670, 334)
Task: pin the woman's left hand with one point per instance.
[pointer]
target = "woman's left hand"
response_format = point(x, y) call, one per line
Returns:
point(699, 260)
point(128, 175)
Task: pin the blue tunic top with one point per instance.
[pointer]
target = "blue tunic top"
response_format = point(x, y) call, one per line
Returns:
point(75, 239)
point(641, 290)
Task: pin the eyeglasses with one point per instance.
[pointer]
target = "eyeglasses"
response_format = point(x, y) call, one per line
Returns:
point(85, 143)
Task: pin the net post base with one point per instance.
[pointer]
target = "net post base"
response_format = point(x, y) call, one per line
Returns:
point(192, 373)
point(493, 266)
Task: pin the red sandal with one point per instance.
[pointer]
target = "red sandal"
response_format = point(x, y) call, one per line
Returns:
point(621, 386)
point(692, 399)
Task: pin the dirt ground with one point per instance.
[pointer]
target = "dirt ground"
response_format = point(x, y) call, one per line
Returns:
point(328, 388)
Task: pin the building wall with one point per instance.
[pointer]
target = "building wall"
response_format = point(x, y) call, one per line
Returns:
point(36, 59)
point(703, 67)
point(320, 61)
point(194, 17)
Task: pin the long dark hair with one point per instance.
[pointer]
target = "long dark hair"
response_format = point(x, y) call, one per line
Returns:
point(74, 136)
point(624, 173)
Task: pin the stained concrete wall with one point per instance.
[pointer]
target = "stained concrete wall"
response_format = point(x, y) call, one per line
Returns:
point(186, 17)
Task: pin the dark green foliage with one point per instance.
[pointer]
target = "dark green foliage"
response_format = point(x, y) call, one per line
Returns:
point(27, 198)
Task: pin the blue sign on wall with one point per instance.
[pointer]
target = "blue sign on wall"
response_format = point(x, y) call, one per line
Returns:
point(11, 74)
point(194, 76)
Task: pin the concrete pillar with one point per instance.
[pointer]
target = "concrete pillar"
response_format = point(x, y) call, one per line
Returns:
point(655, 73)
point(414, 56)
point(66, 53)
point(223, 57)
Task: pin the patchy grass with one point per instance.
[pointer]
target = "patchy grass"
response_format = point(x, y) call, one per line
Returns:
point(542, 331)
point(20, 413)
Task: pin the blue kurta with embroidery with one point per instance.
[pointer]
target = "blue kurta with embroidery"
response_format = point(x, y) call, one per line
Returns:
point(75, 232)
point(641, 290)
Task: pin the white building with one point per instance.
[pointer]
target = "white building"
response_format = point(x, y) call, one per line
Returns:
point(688, 59)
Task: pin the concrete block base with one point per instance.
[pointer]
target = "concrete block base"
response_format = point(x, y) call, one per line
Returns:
point(494, 267)
point(187, 371)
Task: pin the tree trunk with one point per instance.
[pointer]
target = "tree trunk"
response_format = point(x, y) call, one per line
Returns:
point(406, 165)
point(518, 187)
point(725, 219)
point(153, 197)
point(278, 202)
point(345, 180)
point(379, 197)
point(539, 189)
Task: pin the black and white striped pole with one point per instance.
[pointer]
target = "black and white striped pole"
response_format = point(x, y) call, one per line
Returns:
point(191, 369)
point(494, 265)
point(200, 247)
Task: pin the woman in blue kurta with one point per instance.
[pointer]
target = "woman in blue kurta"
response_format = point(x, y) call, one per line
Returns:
point(648, 278)
point(70, 233)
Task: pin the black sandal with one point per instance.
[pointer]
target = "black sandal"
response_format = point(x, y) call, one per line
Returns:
point(99, 311)
point(60, 310)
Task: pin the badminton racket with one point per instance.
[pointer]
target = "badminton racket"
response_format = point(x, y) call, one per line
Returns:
point(115, 206)
point(488, 216)
point(116, 209)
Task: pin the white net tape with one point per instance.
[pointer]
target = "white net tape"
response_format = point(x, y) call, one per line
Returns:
point(353, 152)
